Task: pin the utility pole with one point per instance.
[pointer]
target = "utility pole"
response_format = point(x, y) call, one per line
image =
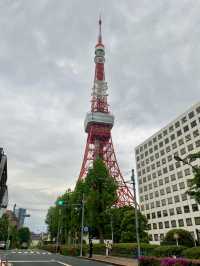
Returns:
point(58, 232)
point(82, 224)
point(136, 214)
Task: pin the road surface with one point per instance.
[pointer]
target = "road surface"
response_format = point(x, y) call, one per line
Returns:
point(44, 258)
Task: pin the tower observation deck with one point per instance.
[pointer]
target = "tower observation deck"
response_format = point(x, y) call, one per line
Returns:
point(98, 124)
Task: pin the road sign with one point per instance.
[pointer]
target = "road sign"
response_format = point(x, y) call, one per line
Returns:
point(85, 229)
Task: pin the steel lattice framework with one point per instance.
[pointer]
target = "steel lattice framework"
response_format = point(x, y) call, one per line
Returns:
point(98, 125)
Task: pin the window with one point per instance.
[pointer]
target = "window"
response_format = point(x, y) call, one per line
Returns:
point(158, 203)
point(174, 187)
point(180, 142)
point(160, 225)
point(155, 237)
point(145, 188)
point(159, 214)
point(158, 163)
point(154, 139)
point(156, 194)
point(165, 132)
point(146, 153)
point(171, 212)
point(170, 201)
point(141, 198)
point(146, 197)
point(167, 224)
point(161, 144)
point(173, 177)
point(184, 120)
point(183, 151)
point(169, 158)
point(166, 179)
point(150, 237)
point(173, 223)
point(197, 143)
point(151, 195)
point(149, 177)
point(145, 145)
point(198, 110)
point(141, 148)
point(178, 210)
point(161, 237)
point(160, 182)
point(197, 220)
point(154, 226)
point(150, 186)
point(174, 145)
point(179, 133)
point(184, 196)
point(160, 136)
point(180, 174)
point(190, 147)
point(144, 179)
point(186, 209)
point(188, 137)
point(147, 206)
point(159, 173)
point(148, 226)
point(187, 171)
point(182, 185)
point(178, 164)
point(162, 152)
point(172, 137)
point(163, 201)
point(155, 184)
point(154, 175)
point(162, 192)
point(150, 143)
point(171, 128)
point(176, 198)
point(177, 124)
point(155, 147)
point(168, 189)
point(165, 214)
point(191, 114)
point(148, 216)
point(194, 123)
point(165, 170)
point(166, 140)
point(188, 221)
point(186, 128)
point(195, 207)
point(153, 215)
point(152, 205)
point(180, 222)
point(189, 182)
point(153, 166)
point(168, 149)
point(163, 161)
point(196, 133)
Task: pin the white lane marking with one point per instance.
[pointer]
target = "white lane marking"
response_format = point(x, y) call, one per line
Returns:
point(63, 263)
point(29, 261)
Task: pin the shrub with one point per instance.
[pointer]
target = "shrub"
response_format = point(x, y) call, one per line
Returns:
point(174, 262)
point(167, 251)
point(184, 238)
point(192, 253)
point(149, 261)
point(154, 261)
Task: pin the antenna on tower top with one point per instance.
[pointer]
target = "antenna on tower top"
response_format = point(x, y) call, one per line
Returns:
point(100, 21)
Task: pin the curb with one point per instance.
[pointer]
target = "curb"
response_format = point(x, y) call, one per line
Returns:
point(104, 261)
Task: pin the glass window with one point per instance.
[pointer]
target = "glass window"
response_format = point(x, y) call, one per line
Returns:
point(161, 144)
point(178, 164)
point(148, 226)
point(166, 140)
point(156, 194)
point(172, 177)
point(186, 209)
point(155, 237)
point(171, 128)
point(146, 197)
point(179, 133)
point(188, 221)
point(154, 139)
point(161, 237)
point(165, 132)
point(152, 205)
point(178, 210)
point(181, 142)
point(159, 214)
point(160, 136)
point(162, 192)
point(147, 206)
point(186, 128)
point(170, 201)
point(197, 220)
point(184, 196)
point(169, 158)
point(160, 182)
point(188, 137)
point(157, 203)
point(162, 152)
point(148, 216)
point(155, 184)
point(172, 137)
point(180, 174)
point(171, 212)
point(183, 151)
point(196, 133)
point(187, 171)
point(160, 225)
point(194, 123)
point(176, 198)
point(151, 195)
point(182, 185)
point(197, 143)
point(198, 110)
point(191, 114)
point(195, 207)
point(154, 226)
point(155, 147)
point(190, 147)
point(150, 237)
point(180, 222)
point(174, 145)
point(166, 179)
point(173, 223)
point(184, 120)
point(157, 155)
point(153, 215)
point(168, 189)
point(165, 214)
point(154, 175)
point(163, 201)
point(167, 224)
point(174, 187)
point(165, 170)
point(168, 149)
point(177, 124)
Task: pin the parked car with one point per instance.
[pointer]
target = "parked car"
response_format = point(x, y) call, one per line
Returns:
point(2, 245)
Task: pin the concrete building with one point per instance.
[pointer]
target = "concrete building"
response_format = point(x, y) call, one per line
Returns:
point(21, 215)
point(163, 182)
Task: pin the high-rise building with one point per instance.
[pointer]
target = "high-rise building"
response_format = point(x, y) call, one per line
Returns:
point(3, 181)
point(21, 215)
point(163, 181)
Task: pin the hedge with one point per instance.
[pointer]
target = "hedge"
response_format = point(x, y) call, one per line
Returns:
point(168, 251)
point(192, 253)
point(154, 261)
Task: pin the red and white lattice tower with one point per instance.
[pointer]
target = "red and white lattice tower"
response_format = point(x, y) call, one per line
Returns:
point(98, 124)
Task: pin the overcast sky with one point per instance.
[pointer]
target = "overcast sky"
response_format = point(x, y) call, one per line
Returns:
point(46, 75)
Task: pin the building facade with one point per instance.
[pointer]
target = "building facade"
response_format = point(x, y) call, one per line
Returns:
point(163, 181)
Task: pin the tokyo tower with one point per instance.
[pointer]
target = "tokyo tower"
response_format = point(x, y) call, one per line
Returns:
point(98, 124)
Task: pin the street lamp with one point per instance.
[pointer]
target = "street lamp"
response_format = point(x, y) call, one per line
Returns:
point(176, 237)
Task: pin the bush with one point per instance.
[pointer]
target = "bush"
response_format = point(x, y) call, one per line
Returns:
point(149, 261)
point(153, 261)
point(192, 253)
point(167, 251)
point(184, 238)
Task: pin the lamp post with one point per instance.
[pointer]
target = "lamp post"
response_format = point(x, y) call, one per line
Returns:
point(136, 214)
point(176, 237)
point(82, 224)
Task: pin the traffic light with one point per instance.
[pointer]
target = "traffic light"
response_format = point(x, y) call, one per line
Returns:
point(60, 202)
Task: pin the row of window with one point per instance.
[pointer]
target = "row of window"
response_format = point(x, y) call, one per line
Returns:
point(163, 191)
point(174, 223)
point(169, 148)
point(164, 202)
point(160, 182)
point(171, 129)
point(172, 211)
point(155, 237)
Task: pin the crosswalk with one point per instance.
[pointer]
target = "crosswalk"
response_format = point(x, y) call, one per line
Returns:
point(30, 252)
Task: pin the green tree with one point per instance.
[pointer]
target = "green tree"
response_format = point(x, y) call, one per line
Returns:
point(3, 228)
point(184, 238)
point(52, 221)
point(24, 235)
point(127, 228)
point(100, 194)
point(194, 190)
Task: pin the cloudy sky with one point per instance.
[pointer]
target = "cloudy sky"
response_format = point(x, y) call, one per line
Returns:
point(46, 75)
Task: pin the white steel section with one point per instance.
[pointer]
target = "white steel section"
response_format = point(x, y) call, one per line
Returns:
point(99, 118)
point(100, 89)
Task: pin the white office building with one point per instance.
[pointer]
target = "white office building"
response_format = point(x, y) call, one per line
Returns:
point(163, 181)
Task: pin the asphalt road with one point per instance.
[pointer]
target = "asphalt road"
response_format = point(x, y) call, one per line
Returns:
point(44, 258)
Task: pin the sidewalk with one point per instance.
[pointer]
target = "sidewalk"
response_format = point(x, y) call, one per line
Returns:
point(119, 261)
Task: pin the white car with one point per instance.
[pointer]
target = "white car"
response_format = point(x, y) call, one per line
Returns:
point(2, 245)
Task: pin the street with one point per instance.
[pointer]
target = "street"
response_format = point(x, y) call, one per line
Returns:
point(44, 258)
